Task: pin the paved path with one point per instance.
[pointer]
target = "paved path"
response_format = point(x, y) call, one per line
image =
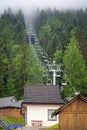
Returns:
point(31, 128)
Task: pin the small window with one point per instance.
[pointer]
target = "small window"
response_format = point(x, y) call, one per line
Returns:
point(50, 118)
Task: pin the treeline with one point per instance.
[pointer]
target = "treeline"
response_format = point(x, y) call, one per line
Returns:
point(63, 35)
point(17, 66)
point(54, 27)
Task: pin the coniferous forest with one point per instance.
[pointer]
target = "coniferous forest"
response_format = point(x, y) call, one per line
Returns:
point(63, 36)
point(17, 67)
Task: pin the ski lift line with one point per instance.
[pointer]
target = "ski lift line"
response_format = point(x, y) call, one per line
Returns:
point(37, 45)
point(75, 92)
point(37, 59)
point(50, 67)
point(34, 54)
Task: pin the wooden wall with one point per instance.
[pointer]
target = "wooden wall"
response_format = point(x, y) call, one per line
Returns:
point(10, 112)
point(74, 116)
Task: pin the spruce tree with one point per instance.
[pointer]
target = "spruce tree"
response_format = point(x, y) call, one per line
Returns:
point(75, 69)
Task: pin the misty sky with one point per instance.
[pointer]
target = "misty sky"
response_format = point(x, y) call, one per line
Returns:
point(29, 5)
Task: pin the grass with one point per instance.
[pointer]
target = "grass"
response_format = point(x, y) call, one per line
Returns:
point(15, 120)
point(10, 120)
point(54, 127)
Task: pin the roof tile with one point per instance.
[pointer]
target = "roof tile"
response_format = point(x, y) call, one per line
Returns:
point(43, 94)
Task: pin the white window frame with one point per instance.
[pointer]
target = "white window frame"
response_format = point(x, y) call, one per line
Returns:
point(50, 118)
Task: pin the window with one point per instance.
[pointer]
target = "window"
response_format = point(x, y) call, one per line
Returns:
point(50, 118)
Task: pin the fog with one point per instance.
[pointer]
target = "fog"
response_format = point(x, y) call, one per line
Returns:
point(28, 6)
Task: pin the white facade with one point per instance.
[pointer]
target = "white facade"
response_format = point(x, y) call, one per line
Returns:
point(41, 113)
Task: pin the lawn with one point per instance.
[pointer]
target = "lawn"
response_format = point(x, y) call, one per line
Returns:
point(54, 127)
point(21, 121)
point(11, 120)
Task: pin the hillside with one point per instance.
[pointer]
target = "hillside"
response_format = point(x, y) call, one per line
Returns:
point(63, 37)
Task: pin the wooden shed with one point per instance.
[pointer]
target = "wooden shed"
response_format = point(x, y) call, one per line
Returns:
point(73, 115)
point(10, 107)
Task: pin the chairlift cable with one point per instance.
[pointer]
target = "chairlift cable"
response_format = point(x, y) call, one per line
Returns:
point(50, 67)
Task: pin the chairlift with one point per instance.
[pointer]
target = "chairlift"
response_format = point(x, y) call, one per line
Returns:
point(39, 49)
point(53, 66)
point(37, 45)
point(73, 95)
point(77, 93)
point(58, 74)
point(46, 55)
point(49, 66)
point(58, 67)
point(48, 62)
point(43, 56)
point(45, 60)
point(49, 58)
point(64, 82)
point(49, 82)
point(41, 53)
point(45, 74)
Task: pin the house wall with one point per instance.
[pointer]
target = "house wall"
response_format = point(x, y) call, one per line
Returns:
point(10, 112)
point(74, 116)
point(40, 113)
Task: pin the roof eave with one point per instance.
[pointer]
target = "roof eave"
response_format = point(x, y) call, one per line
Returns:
point(27, 102)
point(61, 108)
point(3, 107)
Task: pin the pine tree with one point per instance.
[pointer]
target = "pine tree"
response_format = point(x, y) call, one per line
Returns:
point(75, 67)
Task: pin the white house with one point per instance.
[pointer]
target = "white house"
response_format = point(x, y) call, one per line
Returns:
point(41, 101)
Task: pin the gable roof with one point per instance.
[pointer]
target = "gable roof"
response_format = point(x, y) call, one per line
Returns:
point(42, 94)
point(10, 102)
point(64, 106)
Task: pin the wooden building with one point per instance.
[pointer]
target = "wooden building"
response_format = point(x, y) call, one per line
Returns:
point(10, 107)
point(73, 115)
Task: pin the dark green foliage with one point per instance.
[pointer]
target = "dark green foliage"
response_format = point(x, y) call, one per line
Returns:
point(61, 23)
point(10, 37)
point(75, 68)
point(54, 31)
point(17, 66)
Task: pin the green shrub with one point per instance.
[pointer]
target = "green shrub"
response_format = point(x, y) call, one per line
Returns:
point(54, 127)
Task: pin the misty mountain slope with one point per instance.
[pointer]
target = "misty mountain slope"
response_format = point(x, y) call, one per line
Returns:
point(57, 32)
